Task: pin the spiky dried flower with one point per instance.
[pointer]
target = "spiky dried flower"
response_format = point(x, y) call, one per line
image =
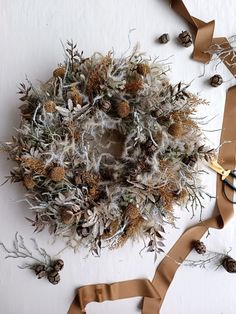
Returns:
point(123, 109)
point(29, 182)
point(59, 72)
point(49, 106)
point(57, 174)
point(143, 69)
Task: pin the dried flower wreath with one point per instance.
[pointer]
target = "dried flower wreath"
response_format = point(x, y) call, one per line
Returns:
point(105, 149)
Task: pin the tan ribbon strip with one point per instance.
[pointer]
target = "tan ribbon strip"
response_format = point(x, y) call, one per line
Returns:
point(154, 293)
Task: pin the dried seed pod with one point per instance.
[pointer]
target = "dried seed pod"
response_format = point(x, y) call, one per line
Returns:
point(150, 146)
point(164, 38)
point(57, 174)
point(49, 106)
point(216, 80)
point(54, 277)
point(67, 216)
point(199, 247)
point(132, 211)
point(105, 105)
point(185, 39)
point(59, 72)
point(143, 69)
point(40, 271)
point(29, 182)
point(229, 264)
point(58, 265)
point(123, 109)
point(175, 129)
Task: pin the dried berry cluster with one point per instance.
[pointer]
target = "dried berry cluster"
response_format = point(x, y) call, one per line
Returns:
point(106, 148)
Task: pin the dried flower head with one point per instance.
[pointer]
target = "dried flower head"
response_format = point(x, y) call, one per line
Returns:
point(59, 72)
point(67, 216)
point(49, 106)
point(143, 69)
point(176, 129)
point(123, 109)
point(57, 174)
point(29, 182)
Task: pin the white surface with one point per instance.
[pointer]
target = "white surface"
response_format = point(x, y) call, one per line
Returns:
point(30, 34)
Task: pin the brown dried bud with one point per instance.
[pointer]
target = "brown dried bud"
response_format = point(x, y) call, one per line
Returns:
point(134, 86)
point(123, 109)
point(49, 106)
point(143, 69)
point(216, 80)
point(40, 271)
point(59, 72)
point(54, 277)
point(75, 96)
point(164, 38)
point(29, 182)
point(185, 39)
point(199, 247)
point(67, 216)
point(57, 174)
point(175, 129)
point(229, 264)
point(58, 265)
point(132, 211)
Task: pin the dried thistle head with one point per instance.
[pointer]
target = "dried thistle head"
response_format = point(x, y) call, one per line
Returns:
point(59, 72)
point(57, 174)
point(49, 106)
point(123, 109)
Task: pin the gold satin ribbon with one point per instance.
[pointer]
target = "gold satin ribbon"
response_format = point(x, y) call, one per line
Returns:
point(154, 293)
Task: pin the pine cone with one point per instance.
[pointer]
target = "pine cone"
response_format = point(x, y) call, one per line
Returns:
point(185, 39)
point(229, 264)
point(54, 277)
point(40, 271)
point(164, 38)
point(58, 265)
point(216, 80)
point(123, 109)
point(199, 247)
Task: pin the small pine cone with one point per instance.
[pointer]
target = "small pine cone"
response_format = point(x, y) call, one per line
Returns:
point(54, 277)
point(58, 265)
point(75, 96)
point(67, 216)
point(143, 69)
point(132, 211)
point(164, 38)
point(216, 80)
point(199, 247)
point(150, 147)
point(123, 109)
point(59, 72)
point(49, 106)
point(229, 264)
point(185, 39)
point(57, 174)
point(40, 271)
point(29, 182)
point(105, 105)
point(175, 129)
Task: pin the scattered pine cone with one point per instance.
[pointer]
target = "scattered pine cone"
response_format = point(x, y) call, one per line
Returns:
point(229, 264)
point(59, 72)
point(58, 265)
point(164, 38)
point(29, 182)
point(143, 69)
point(57, 174)
point(216, 80)
point(185, 39)
point(40, 271)
point(199, 247)
point(123, 109)
point(132, 211)
point(67, 216)
point(54, 277)
point(175, 129)
point(49, 106)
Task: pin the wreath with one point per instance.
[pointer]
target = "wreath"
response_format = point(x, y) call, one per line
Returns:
point(106, 148)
